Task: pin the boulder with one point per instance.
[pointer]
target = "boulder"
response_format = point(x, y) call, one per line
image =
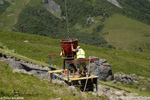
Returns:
point(119, 83)
point(141, 78)
point(135, 82)
point(120, 76)
point(143, 89)
point(134, 76)
point(114, 81)
point(1, 2)
point(148, 79)
point(105, 72)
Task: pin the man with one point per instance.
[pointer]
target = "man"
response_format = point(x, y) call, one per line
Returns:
point(80, 55)
point(64, 62)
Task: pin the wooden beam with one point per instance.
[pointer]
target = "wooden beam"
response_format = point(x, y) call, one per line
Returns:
point(82, 60)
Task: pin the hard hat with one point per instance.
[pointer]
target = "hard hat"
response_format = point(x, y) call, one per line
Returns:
point(78, 47)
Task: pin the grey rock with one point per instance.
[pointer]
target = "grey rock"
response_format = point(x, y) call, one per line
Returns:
point(115, 76)
point(114, 81)
point(1, 2)
point(119, 83)
point(143, 89)
point(105, 73)
point(135, 82)
point(106, 64)
point(141, 78)
point(148, 79)
point(129, 81)
point(27, 68)
point(26, 41)
point(134, 76)
point(124, 76)
point(110, 77)
point(129, 77)
point(115, 2)
point(124, 80)
point(105, 89)
point(102, 61)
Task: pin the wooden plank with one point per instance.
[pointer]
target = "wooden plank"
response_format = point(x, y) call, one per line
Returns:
point(82, 60)
point(55, 71)
point(79, 78)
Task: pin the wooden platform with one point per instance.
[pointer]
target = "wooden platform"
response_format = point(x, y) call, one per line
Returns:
point(60, 74)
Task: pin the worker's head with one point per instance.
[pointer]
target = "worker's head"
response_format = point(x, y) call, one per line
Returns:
point(78, 47)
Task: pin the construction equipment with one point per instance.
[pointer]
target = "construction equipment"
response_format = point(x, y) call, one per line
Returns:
point(72, 77)
point(66, 47)
point(86, 81)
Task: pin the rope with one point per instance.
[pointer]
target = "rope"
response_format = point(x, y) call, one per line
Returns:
point(67, 19)
point(87, 75)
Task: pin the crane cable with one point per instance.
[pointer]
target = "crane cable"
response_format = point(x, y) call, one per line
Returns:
point(67, 20)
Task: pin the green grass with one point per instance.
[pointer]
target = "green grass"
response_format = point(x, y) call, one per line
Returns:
point(92, 25)
point(30, 87)
point(10, 16)
point(127, 34)
point(129, 88)
point(40, 47)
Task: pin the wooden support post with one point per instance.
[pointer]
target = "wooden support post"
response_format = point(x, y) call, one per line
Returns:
point(73, 73)
point(69, 72)
point(82, 71)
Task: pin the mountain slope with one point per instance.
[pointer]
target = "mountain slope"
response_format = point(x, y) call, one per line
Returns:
point(39, 48)
point(127, 34)
point(10, 16)
point(86, 21)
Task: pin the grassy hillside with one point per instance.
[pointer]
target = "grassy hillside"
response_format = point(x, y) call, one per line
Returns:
point(29, 87)
point(136, 9)
point(10, 16)
point(127, 34)
point(4, 6)
point(36, 20)
point(87, 19)
point(39, 47)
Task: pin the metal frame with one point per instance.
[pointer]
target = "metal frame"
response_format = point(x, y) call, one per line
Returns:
point(80, 61)
point(52, 55)
point(75, 61)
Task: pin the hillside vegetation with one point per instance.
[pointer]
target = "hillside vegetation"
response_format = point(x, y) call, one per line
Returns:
point(12, 10)
point(30, 87)
point(87, 19)
point(127, 34)
point(137, 9)
point(39, 47)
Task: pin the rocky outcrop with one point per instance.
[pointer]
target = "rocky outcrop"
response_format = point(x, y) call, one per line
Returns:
point(1, 2)
point(53, 8)
point(105, 72)
point(129, 79)
point(26, 67)
point(115, 2)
